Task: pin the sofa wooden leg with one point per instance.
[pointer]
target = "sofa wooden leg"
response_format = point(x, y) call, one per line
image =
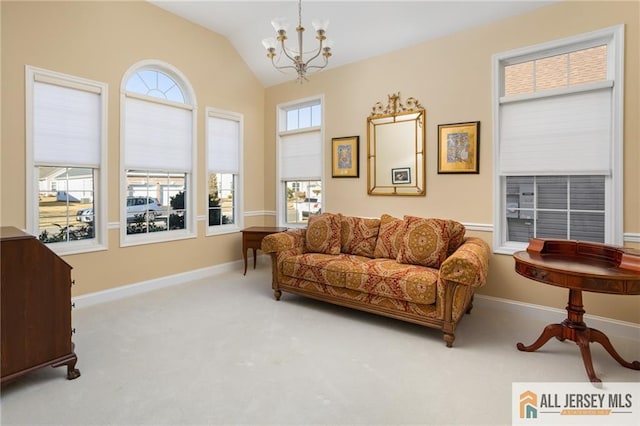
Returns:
point(469, 308)
point(277, 294)
point(449, 338)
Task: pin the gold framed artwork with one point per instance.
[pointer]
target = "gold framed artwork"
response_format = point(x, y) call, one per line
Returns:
point(459, 147)
point(344, 157)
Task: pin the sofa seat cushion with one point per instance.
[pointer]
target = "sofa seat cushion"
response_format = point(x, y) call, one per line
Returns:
point(358, 297)
point(334, 270)
point(379, 277)
point(388, 278)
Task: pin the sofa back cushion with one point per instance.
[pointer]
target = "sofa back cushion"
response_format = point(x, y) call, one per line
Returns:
point(323, 233)
point(423, 241)
point(359, 235)
point(388, 242)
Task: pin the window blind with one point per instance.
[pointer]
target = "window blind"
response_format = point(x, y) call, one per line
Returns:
point(223, 141)
point(563, 134)
point(300, 156)
point(157, 136)
point(66, 126)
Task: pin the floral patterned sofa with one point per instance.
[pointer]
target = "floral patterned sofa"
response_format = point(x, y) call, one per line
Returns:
point(415, 269)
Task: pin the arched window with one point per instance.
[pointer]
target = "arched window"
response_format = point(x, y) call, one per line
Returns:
point(158, 150)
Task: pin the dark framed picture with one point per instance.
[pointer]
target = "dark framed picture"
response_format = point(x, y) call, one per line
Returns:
point(344, 156)
point(459, 147)
point(401, 175)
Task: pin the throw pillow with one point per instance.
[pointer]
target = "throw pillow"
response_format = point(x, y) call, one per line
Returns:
point(391, 229)
point(358, 235)
point(323, 233)
point(456, 236)
point(424, 242)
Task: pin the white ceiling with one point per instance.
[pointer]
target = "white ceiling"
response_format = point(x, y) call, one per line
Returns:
point(358, 29)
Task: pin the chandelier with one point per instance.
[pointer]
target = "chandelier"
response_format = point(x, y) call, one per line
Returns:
point(298, 63)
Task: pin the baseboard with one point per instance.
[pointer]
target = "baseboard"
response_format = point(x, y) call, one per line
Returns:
point(543, 313)
point(546, 314)
point(150, 285)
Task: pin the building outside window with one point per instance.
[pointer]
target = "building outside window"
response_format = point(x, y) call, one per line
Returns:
point(559, 144)
point(224, 165)
point(66, 160)
point(158, 155)
point(300, 161)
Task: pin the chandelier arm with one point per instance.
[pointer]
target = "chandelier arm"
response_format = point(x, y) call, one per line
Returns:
point(285, 67)
point(326, 62)
point(282, 67)
point(284, 50)
point(315, 56)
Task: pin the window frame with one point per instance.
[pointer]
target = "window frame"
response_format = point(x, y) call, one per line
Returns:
point(100, 180)
point(238, 189)
point(613, 37)
point(281, 131)
point(191, 228)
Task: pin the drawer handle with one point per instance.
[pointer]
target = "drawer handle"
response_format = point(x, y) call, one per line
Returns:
point(542, 275)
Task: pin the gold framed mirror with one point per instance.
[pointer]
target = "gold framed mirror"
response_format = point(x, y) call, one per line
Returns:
point(396, 148)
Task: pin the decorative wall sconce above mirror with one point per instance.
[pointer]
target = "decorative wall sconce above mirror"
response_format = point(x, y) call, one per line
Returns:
point(396, 148)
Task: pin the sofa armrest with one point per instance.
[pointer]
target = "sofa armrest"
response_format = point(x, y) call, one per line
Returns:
point(291, 239)
point(469, 264)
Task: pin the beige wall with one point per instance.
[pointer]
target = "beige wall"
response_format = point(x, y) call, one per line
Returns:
point(450, 76)
point(452, 79)
point(100, 41)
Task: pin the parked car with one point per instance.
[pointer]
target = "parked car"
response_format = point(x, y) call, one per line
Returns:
point(308, 207)
point(143, 206)
point(85, 215)
point(135, 206)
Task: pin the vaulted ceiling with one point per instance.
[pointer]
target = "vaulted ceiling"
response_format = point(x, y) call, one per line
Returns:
point(358, 29)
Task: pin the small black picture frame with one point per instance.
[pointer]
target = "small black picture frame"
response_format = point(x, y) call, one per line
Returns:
point(401, 175)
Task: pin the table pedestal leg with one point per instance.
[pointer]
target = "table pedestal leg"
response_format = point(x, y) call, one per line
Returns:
point(574, 329)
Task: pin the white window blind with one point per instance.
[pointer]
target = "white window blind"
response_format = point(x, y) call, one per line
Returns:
point(300, 156)
point(67, 125)
point(563, 134)
point(224, 145)
point(157, 136)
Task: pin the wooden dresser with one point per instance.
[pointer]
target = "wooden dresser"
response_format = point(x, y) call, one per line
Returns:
point(35, 307)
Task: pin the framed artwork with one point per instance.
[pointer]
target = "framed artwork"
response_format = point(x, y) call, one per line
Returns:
point(459, 147)
point(344, 157)
point(401, 175)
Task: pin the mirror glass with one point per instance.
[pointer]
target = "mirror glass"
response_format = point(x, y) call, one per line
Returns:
point(395, 148)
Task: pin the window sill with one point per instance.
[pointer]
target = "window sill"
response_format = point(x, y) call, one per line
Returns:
point(67, 249)
point(152, 238)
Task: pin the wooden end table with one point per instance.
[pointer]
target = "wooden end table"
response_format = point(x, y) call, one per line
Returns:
point(252, 239)
point(580, 266)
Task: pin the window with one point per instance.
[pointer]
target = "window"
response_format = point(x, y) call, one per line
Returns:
point(558, 153)
point(224, 163)
point(66, 160)
point(158, 155)
point(299, 161)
